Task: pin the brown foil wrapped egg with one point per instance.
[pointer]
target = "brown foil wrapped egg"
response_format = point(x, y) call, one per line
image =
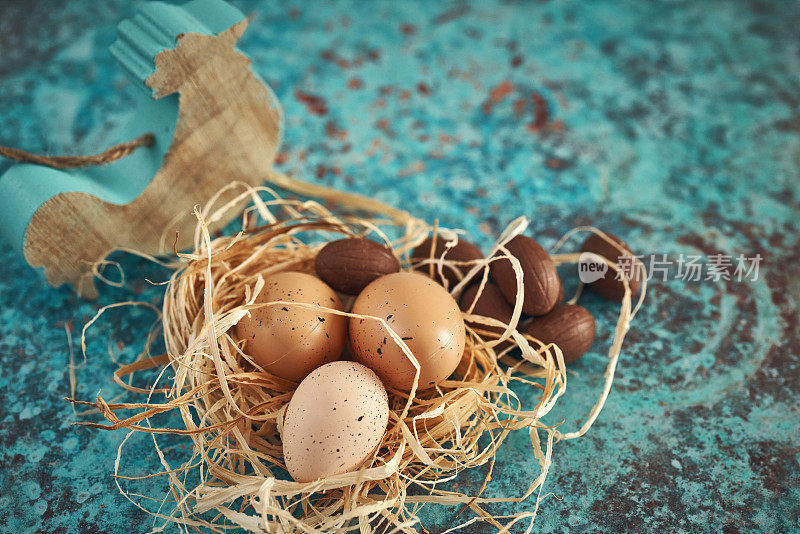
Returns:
point(569, 326)
point(349, 265)
point(539, 276)
point(608, 286)
point(290, 341)
point(490, 303)
point(462, 251)
point(423, 314)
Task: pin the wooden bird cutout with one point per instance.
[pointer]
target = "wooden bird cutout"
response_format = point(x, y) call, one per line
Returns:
point(224, 126)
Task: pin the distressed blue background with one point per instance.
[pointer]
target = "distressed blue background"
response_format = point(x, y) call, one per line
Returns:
point(672, 124)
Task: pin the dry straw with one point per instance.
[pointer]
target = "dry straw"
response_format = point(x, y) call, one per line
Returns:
point(232, 411)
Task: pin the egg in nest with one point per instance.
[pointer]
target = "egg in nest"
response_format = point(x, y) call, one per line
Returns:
point(291, 341)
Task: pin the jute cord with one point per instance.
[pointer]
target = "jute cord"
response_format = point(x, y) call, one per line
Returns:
point(114, 153)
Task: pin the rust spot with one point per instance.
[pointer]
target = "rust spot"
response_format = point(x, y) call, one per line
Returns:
point(541, 115)
point(333, 57)
point(415, 167)
point(333, 131)
point(497, 94)
point(500, 91)
point(315, 104)
point(557, 163)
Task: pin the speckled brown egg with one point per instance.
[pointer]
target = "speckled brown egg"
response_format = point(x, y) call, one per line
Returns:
point(423, 314)
point(336, 419)
point(290, 341)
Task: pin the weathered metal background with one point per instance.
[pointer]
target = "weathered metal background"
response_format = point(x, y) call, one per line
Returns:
point(672, 124)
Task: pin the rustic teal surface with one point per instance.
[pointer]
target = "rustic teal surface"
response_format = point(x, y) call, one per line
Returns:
point(673, 124)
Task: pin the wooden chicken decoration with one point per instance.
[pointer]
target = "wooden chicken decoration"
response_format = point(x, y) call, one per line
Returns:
point(214, 121)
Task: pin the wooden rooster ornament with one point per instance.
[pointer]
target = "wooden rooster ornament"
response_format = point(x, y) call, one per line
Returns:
point(214, 121)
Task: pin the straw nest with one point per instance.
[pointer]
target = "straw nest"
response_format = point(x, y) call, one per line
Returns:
point(231, 409)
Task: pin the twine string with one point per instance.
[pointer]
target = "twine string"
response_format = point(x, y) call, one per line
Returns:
point(114, 153)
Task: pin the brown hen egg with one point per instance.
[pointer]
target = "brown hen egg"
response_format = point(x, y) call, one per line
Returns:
point(291, 341)
point(335, 420)
point(423, 314)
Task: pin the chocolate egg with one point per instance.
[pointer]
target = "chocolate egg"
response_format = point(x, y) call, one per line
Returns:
point(560, 299)
point(349, 265)
point(461, 251)
point(608, 286)
point(539, 276)
point(423, 314)
point(569, 326)
point(490, 303)
point(290, 341)
point(334, 422)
